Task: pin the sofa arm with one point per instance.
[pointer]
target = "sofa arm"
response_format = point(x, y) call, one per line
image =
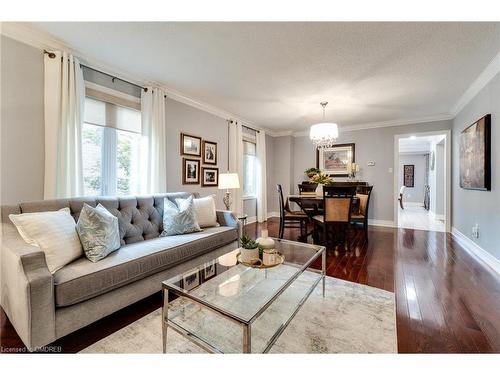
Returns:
point(27, 291)
point(229, 219)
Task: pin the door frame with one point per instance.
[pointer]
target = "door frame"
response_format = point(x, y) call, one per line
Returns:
point(447, 155)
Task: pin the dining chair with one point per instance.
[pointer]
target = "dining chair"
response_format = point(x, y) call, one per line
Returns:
point(337, 207)
point(400, 198)
point(289, 218)
point(364, 194)
point(307, 187)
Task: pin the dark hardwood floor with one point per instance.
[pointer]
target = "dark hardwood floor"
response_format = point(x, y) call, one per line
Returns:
point(446, 302)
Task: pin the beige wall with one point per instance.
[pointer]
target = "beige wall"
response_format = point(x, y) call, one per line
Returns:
point(22, 134)
point(375, 145)
point(471, 207)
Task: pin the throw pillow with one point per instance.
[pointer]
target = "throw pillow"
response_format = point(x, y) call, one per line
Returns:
point(53, 232)
point(205, 211)
point(98, 232)
point(179, 219)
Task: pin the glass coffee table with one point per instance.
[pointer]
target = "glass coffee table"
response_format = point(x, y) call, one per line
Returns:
point(224, 306)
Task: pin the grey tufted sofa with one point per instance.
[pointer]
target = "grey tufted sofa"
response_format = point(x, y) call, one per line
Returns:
point(44, 307)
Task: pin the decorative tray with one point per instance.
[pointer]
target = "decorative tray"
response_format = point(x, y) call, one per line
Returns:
point(259, 264)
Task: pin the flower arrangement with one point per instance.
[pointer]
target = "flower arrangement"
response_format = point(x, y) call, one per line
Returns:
point(321, 178)
point(312, 171)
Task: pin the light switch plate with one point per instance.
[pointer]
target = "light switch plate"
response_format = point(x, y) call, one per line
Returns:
point(371, 163)
point(390, 170)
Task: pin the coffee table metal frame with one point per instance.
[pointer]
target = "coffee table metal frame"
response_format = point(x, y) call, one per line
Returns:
point(246, 325)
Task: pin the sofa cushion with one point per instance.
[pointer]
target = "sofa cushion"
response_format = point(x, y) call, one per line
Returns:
point(82, 279)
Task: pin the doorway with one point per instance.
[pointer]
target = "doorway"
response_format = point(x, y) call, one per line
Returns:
point(422, 181)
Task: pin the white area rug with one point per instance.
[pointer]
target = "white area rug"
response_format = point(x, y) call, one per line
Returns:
point(352, 318)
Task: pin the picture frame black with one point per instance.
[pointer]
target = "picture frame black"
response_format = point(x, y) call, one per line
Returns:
point(204, 181)
point(321, 154)
point(409, 175)
point(187, 180)
point(208, 148)
point(475, 155)
point(190, 145)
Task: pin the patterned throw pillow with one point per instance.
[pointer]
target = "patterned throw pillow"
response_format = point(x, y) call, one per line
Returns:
point(98, 231)
point(179, 220)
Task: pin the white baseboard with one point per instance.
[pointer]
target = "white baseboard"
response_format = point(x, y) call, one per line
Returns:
point(381, 223)
point(253, 219)
point(273, 214)
point(476, 251)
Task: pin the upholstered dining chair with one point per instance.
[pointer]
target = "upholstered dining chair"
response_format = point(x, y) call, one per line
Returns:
point(364, 194)
point(337, 207)
point(307, 187)
point(289, 218)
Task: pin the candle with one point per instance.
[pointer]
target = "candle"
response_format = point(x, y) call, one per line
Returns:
point(264, 233)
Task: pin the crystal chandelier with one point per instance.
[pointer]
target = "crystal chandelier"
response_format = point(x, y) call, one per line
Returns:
point(324, 134)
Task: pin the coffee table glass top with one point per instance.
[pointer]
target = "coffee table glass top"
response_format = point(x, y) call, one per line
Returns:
point(239, 291)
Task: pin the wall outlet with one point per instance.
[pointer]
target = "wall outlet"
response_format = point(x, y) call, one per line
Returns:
point(475, 231)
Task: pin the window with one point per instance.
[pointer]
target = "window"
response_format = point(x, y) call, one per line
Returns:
point(111, 137)
point(249, 169)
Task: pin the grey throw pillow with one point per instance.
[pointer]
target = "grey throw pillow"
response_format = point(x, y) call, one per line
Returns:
point(98, 232)
point(179, 220)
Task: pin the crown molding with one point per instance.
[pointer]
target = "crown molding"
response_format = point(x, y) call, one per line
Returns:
point(41, 40)
point(281, 133)
point(385, 124)
point(491, 70)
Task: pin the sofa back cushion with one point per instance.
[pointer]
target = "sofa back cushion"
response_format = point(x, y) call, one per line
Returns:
point(139, 217)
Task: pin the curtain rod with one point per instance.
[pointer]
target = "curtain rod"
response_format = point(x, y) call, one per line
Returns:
point(113, 78)
point(248, 127)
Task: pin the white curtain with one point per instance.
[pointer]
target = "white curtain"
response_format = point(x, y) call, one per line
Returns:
point(236, 163)
point(64, 97)
point(261, 177)
point(153, 169)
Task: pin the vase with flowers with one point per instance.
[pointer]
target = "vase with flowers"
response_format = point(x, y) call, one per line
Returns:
point(321, 179)
point(311, 171)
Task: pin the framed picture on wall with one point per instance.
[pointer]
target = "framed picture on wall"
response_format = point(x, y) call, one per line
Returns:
point(209, 176)
point(335, 160)
point(209, 152)
point(190, 145)
point(475, 155)
point(190, 171)
point(409, 175)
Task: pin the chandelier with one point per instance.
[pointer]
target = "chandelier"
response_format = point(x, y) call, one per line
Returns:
point(324, 134)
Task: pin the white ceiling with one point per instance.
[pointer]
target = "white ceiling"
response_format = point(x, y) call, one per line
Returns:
point(275, 74)
point(416, 144)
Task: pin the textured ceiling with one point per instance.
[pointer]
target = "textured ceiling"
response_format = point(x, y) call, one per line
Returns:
point(275, 74)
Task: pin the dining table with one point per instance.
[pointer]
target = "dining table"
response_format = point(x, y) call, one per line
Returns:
point(307, 200)
point(312, 204)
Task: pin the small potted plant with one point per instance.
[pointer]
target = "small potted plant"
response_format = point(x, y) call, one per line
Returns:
point(320, 179)
point(249, 250)
point(311, 171)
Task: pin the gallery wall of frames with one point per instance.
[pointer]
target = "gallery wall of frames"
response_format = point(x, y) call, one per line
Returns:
point(199, 161)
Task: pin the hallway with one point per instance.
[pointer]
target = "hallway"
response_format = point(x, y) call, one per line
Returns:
point(414, 216)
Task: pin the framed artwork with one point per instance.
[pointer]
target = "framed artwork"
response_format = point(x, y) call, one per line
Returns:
point(209, 176)
point(191, 280)
point(475, 155)
point(190, 171)
point(409, 175)
point(209, 152)
point(190, 145)
point(335, 160)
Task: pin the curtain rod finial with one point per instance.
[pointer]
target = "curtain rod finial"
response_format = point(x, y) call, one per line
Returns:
point(52, 55)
